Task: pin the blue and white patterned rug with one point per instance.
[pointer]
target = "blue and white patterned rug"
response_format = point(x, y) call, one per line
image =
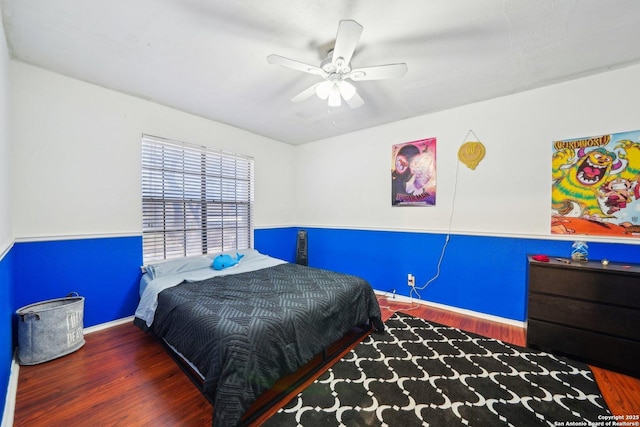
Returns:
point(424, 374)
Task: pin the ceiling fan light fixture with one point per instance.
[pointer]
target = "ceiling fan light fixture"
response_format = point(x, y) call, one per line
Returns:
point(324, 89)
point(347, 90)
point(334, 97)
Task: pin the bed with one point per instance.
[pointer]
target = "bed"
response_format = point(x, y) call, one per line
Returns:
point(244, 327)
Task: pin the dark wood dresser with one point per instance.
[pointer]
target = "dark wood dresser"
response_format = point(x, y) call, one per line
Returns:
point(586, 311)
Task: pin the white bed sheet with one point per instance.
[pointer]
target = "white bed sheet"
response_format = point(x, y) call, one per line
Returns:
point(252, 260)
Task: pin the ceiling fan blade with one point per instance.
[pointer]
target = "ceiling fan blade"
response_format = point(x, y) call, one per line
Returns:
point(355, 101)
point(295, 65)
point(346, 41)
point(379, 72)
point(306, 94)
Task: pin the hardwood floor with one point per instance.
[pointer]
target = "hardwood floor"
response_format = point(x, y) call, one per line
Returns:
point(123, 377)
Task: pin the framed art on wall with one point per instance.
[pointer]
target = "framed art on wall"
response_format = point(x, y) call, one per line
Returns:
point(413, 173)
point(596, 185)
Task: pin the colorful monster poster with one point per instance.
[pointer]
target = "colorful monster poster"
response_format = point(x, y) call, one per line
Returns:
point(413, 173)
point(596, 185)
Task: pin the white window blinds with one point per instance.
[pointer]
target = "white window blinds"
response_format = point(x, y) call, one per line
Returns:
point(194, 200)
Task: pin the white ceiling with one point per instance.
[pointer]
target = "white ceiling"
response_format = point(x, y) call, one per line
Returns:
point(208, 57)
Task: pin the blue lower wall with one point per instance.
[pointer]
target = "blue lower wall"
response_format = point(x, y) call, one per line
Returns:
point(6, 342)
point(276, 242)
point(106, 271)
point(479, 273)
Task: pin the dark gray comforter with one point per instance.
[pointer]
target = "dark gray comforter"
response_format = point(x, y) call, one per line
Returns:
point(245, 331)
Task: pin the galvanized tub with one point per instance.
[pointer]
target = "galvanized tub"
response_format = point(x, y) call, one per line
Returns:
point(50, 329)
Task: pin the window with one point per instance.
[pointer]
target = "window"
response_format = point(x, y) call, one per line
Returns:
point(194, 200)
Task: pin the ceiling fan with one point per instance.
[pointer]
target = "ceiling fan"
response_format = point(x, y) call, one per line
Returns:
point(336, 69)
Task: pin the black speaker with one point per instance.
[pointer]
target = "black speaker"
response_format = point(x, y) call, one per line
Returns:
point(301, 248)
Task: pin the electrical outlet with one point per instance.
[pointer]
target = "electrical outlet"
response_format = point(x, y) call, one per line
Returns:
point(411, 280)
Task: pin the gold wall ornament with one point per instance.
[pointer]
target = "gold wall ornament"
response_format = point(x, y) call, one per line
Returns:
point(471, 153)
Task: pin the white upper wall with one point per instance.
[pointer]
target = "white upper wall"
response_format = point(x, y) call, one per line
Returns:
point(76, 155)
point(346, 181)
point(5, 214)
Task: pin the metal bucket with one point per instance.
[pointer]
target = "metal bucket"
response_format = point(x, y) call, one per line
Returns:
point(50, 329)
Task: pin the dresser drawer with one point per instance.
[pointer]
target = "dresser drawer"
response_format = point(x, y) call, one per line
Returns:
point(618, 321)
point(590, 347)
point(600, 286)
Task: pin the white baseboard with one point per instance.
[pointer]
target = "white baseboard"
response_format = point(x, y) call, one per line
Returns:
point(12, 391)
point(504, 320)
point(107, 325)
